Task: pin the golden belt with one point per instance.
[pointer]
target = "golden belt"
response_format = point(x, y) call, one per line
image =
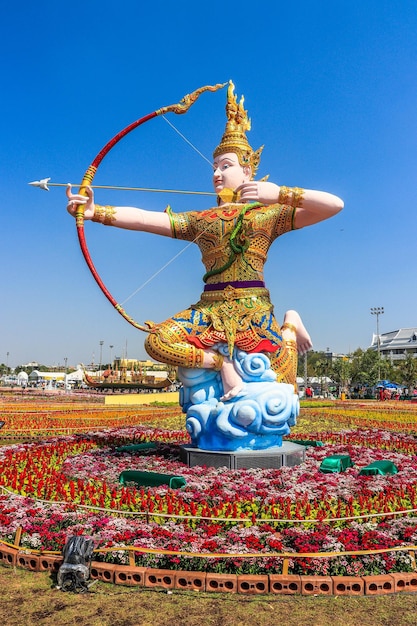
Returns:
point(234, 293)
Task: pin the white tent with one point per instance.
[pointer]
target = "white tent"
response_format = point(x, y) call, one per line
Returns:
point(76, 377)
point(22, 379)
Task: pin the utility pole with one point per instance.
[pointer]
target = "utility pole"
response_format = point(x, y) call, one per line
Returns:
point(101, 357)
point(379, 310)
point(65, 375)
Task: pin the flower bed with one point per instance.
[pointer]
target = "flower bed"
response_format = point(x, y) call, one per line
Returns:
point(32, 420)
point(258, 512)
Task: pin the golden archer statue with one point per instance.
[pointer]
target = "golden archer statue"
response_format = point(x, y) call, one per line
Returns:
point(234, 238)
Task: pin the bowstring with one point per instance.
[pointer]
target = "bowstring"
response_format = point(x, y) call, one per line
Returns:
point(187, 140)
point(161, 269)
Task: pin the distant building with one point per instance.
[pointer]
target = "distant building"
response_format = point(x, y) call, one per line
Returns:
point(33, 364)
point(396, 344)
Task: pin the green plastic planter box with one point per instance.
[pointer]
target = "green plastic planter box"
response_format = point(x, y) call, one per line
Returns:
point(379, 467)
point(151, 479)
point(306, 442)
point(137, 447)
point(336, 463)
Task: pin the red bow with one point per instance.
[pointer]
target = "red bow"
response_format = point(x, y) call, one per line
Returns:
point(181, 107)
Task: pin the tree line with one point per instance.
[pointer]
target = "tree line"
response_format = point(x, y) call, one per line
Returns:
point(362, 368)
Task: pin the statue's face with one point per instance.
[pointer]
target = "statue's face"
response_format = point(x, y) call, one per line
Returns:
point(228, 173)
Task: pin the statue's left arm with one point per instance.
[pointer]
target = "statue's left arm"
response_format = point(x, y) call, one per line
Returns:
point(310, 206)
point(316, 206)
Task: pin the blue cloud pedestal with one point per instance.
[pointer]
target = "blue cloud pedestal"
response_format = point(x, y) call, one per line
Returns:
point(246, 431)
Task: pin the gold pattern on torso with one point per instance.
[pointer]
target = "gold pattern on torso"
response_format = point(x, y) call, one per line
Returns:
point(212, 229)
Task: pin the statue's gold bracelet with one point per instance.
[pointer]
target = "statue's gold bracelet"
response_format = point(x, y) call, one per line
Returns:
point(292, 196)
point(104, 214)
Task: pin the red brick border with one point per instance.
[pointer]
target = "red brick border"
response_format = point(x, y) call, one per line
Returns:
point(290, 584)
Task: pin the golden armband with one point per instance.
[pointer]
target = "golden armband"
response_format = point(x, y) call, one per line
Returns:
point(292, 196)
point(104, 214)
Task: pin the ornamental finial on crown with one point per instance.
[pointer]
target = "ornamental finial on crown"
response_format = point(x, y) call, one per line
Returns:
point(234, 137)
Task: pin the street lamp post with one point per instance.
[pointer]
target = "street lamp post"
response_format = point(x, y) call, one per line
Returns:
point(378, 310)
point(65, 374)
point(101, 357)
point(111, 357)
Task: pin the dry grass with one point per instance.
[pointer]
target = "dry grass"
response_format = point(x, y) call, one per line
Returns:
point(30, 599)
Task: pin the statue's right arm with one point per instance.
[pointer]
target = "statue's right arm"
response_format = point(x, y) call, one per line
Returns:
point(132, 218)
point(129, 218)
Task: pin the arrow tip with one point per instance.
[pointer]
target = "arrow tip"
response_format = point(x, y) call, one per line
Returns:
point(42, 184)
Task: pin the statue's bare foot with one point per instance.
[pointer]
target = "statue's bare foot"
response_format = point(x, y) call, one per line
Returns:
point(232, 393)
point(232, 382)
point(294, 329)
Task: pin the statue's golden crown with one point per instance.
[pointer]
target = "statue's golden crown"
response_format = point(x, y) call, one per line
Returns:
point(234, 137)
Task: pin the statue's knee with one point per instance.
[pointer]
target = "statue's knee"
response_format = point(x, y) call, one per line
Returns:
point(181, 353)
point(168, 343)
point(153, 347)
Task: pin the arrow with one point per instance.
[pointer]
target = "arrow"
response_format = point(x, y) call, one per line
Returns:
point(45, 183)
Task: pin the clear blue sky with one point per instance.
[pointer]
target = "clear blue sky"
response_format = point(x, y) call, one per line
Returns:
point(331, 88)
